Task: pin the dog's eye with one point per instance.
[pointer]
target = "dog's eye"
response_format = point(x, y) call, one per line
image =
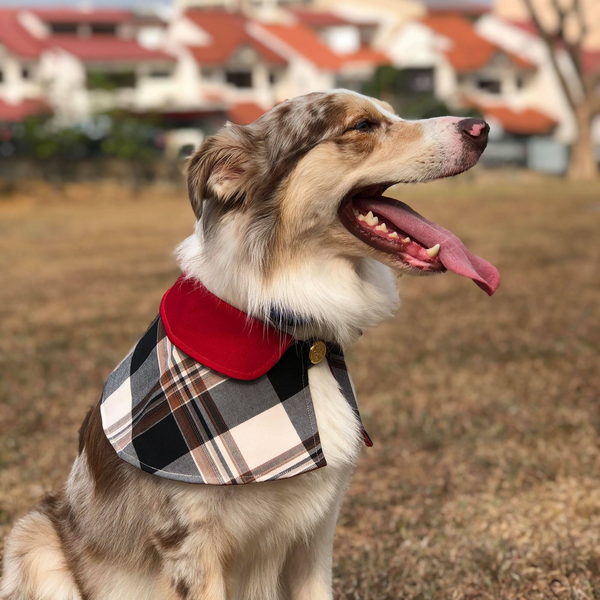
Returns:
point(364, 126)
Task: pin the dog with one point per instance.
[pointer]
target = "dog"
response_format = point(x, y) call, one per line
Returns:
point(292, 230)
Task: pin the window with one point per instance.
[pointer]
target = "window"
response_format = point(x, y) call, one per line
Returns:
point(104, 29)
point(100, 80)
point(210, 74)
point(489, 85)
point(276, 75)
point(367, 33)
point(64, 28)
point(160, 73)
point(418, 81)
point(240, 79)
point(347, 83)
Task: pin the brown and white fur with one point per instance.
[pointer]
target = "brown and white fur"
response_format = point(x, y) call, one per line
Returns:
point(268, 237)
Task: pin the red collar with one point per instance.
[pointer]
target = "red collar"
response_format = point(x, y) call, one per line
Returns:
point(218, 335)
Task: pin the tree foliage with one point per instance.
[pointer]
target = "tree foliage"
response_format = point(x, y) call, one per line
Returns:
point(132, 138)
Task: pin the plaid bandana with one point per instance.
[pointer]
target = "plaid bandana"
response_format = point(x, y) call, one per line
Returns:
point(210, 395)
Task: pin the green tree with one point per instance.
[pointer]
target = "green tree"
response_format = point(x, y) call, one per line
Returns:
point(53, 148)
point(133, 139)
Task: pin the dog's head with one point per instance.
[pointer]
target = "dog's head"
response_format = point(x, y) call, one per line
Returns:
point(303, 184)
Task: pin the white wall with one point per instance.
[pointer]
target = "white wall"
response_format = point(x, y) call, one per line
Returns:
point(414, 46)
point(183, 32)
point(342, 39)
point(14, 87)
point(389, 14)
point(153, 92)
point(417, 46)
point(191, 77)
point(302, 76)
point(64, 78)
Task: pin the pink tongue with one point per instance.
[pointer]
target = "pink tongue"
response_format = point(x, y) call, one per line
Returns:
point(453, 253)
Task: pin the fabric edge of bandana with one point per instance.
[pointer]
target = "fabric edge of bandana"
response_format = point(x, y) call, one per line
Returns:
point(290, 473)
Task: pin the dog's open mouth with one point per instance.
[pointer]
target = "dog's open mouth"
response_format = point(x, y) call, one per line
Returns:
point(395, 228)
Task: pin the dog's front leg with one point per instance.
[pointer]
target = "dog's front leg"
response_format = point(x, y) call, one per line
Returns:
point(195, 563)
point(309, 564)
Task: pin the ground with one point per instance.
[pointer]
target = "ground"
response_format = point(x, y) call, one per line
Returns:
point(484, 480)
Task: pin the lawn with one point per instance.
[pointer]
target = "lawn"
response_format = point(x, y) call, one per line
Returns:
point(484, 481)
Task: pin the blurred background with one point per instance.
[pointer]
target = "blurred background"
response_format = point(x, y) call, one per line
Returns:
point(484, 481)
point(83, 85)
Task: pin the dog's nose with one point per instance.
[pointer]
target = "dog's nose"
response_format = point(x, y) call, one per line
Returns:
point(475, 130)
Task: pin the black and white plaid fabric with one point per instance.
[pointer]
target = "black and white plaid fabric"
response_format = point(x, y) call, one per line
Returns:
point(167, 414)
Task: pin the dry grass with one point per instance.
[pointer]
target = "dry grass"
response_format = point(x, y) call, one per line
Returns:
point(484, 479)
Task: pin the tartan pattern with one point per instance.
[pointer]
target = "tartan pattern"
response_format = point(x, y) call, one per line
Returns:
point(168, 415)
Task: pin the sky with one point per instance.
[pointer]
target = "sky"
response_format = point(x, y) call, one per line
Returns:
point(129, 3)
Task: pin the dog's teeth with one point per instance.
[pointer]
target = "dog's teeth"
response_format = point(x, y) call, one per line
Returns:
point(361, 217)
point(406, 240)
point(394, 235)
point(371, 219)
point(355, 212)
point(382, 227)
point(433, 252)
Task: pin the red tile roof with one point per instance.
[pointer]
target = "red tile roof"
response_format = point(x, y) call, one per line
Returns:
point(106, 48)
point(451, 8)
point(16, 38)
point(318, 19)
point(368, 56)
point(304, 41)
point(10, 113)
point(245, 113)
point(228, 33)
point(525, 122)
point(74, 15)
point(469, 50)
point(528, 121)
point(20, 42)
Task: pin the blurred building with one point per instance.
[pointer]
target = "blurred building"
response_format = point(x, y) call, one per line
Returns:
point(446, 55)
point(76, 63)
point(237, 59)
point(215, 60)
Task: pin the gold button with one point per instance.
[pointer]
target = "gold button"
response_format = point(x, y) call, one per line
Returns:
point(317, 352)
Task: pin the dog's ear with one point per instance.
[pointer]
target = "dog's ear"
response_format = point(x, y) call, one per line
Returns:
point(218, 169)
